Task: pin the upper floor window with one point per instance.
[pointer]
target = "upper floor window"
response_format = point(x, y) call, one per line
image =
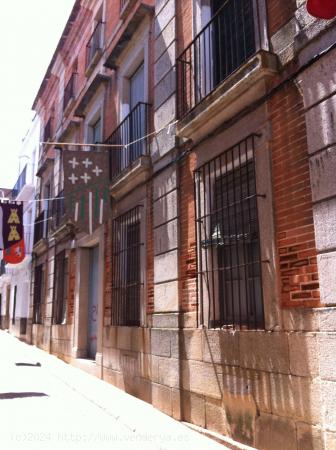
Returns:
point(133, 128)
point(228, 36)
point(228, 247)
point(69, 91)
point(94, 45)
point(47, 134)
point(95, 132)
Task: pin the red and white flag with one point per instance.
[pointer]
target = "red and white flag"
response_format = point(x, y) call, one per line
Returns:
point(12, 232)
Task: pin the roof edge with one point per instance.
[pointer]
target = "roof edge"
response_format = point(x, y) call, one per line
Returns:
point(72, 17)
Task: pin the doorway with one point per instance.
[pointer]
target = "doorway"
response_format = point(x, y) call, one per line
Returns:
point(93, 302)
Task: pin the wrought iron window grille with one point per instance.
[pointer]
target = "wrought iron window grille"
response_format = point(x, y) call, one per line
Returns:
point(126, 269)
point(61, 278)
point(38, 294)
point(229, 279)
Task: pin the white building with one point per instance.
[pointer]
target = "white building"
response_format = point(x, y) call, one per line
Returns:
point(15, 280)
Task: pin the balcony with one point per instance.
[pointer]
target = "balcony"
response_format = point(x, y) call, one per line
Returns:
point(23, 190)
point(47, 130)
point(58, 210)
point(21, 181)
point(94, 48)
point(130, 164)
point(41, 227)
point(69, 92)
point(222, 70)
point(45, 161)
point(132, 12)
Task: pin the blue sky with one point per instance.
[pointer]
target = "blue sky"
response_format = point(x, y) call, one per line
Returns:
point(29, 34)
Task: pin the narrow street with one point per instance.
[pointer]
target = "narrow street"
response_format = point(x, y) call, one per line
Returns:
point(46, 403)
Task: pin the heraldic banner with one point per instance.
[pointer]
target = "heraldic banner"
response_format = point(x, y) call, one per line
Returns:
point(11, 232)
point(86, 188)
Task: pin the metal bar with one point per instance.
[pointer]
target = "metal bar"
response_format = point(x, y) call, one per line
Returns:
point(226, 213)
point(229, 35)
point(126, 282)
point(126, 135)
point(94, 43)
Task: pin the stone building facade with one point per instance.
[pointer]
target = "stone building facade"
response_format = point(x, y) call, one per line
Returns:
point(210, 290)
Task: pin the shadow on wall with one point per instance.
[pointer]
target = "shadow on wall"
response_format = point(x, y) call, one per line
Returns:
point(259, 388)
point(13, 395)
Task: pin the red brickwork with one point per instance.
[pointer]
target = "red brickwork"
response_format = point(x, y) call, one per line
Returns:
point(72, 283)
point(188, 294)
point(184, 15)
point(150, 250)
point(107, 272)
point(279, 13)
point(293, 201)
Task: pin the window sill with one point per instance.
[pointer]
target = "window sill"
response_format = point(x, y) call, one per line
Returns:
point(94, 61)
point(135, 174)
point(40, 246)
point(64, 229)
point(239, 90)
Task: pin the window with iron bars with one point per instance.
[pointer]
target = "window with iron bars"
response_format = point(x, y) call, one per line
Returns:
point(38, 293)
point(126, 267)
point(61, 276)
point(228, 244)
point(228, 40)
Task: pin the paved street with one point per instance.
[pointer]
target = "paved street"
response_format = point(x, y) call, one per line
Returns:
point(47, 404)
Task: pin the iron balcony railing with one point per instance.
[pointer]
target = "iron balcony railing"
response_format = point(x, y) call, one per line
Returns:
point(21, 181)
point(58, 209)
point(47, 130)
point(69, 91)
point(220, 48)
point(130, 135)
point(41, 226)
point(94, 44)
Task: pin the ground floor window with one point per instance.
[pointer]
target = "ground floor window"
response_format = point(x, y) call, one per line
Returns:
point(38, 293)
point(126, 268)
point(228, 245)
point(60, 288)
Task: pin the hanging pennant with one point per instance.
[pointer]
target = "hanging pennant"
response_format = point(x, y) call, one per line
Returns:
point(12, 233)
point(86, 187)
point(322, 9)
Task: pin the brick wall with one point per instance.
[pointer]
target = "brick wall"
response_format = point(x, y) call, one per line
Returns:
point(293, 201)
point(184, 13)
point(107, 272)
point(279, 13)
point(72, 283)
point(188, 295)
point(150, 250)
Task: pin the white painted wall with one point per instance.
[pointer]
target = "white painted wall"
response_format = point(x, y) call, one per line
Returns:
point(20, 275)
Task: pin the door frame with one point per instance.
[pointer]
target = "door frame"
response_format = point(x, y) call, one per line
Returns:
point(80, 331)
